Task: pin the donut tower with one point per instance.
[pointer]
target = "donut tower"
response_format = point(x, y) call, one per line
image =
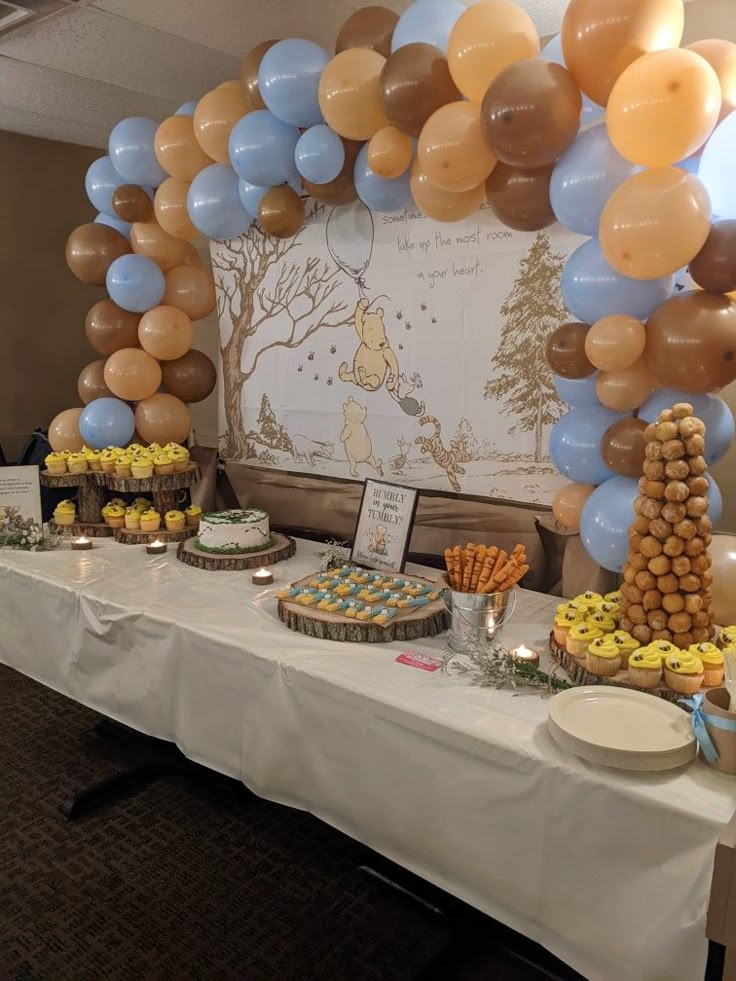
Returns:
point(666, 591)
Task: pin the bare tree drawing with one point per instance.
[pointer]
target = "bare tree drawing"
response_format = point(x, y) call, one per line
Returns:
point(522, 379)
point(302, 297)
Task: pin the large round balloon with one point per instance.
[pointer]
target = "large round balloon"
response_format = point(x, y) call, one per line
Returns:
point(191, 377)
point(191, 256)
point(577, 391)
point(626, 389)
point(655, 223)
point(575, 443)
point(519, 197)
point(163, 418)
point(250, 195)
point(262, 148)
point(439, 204)
point(601, 38)
point(623, 447)
point(568, 502)
point(117, 223)
point(177, 149)
point(415, 82)
point(349, 236)
point(215, 115)
point(191, 290)
point(170, 205)
point(390, 152)
point(370, 27)
point(91, 249)
point(132, 151)
point(319, 154)
point(350, 94)
point(64, 432)
point(605, 521)
point(91, 383)
point(452, 151)
point(249, 75)
point(717, 168)
point(721, 56)
point(714, 412)
point(214, 204)
point(663, 107)
point(132, 374)
point(552, 51)
point(165, 332)
point(379, 194)
point(132, 203)
point(531, 113)
point(281, 212)
point(342, 190)
point(691, 342)
point(100, 183)
point(714, 267)
point(149, 238)
point(288, 79)
point(715, 501)
point(488, 37)
point(108, 327)
point(723, 569)
point(585, 177)
point(565, 351)
point(615, 342)
point(592, 289)
point(135, 283)
point(186, 108)
point(429, 21)
point(107, 421)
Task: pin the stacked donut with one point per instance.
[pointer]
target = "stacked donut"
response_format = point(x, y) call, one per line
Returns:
point(666, 591)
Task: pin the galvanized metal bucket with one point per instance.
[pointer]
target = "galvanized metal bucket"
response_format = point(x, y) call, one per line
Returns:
point(477, 618)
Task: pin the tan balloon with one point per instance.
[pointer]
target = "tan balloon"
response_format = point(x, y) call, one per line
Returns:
point(163, 418)
point(91, 249)
point(389, 152)
point(132, 374)
point(177, 149)
point(663, 107)
point(64, 432)
point(452, 151)
point(615, 342)
point(91, 382)
point(149, 238)
point(281, 211)
point(350, 94)
point(249, 75)
point(191, 256)
point(215, 115)
point(723, 553)
point(232, 83)
point(488, 37)
point(601, 38)
point(721, 56)
point(439, 204)
point(626, 389)
point(190, 289)
point(170, 205)
point(165, 332)
point(109, 327)
point(131, 203)
point(568, 503)
point(655, 223)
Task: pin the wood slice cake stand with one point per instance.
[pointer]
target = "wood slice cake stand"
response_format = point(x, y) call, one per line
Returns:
point(282, 548)
point(164, 488)
point(412, 624)
point(90, 500)
point(133, 536)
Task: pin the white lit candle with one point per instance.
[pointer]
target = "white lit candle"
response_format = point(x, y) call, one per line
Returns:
point(526, 654)
point(156, 547)
point(262, 578)
point(81, 544)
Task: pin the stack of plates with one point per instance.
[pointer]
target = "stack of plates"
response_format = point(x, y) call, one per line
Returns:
point(622, 728)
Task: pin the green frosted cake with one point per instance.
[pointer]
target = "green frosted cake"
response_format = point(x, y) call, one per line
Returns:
point(234, 532)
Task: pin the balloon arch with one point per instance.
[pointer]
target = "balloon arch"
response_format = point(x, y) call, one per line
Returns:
point(612, 129)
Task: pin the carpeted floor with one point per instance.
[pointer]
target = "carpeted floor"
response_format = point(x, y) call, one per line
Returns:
point(192, 877)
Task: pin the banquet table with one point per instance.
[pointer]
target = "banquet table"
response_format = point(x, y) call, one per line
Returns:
point(611, 871)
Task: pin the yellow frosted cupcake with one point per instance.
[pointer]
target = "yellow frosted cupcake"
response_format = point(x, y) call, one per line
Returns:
point(114, 515)
point(192, 515)
point(123, 465)
point(712, 660)
point(174, 520)
point(626, 644)
point(683, 672)
point(107, 461)
point(603, 658)
point(65, 512)
point(142, 504)
point(135, 449)
point(163, 464)
point(154, 448)
point(93, 459)
point(563, 622)
point(589, 597)
point(613, 597)
point(604, 622)
point(150, 520)
point(180, 456)
point(119, 501)
point(132, 519)
point(664, 647)
point(580, 637)
point(573, 604)
point(55, 463)
point(141, 467)
point(77, 463)
point(645, 668)
point(727, 637)
point(608, 608)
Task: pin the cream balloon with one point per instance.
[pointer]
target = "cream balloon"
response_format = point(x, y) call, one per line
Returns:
point(64, 432)
point(627, 389)
point(162, 418)
point(215, 115)
point(439, 204)
point(191, 256)
point(452, 151)
point(191, 290)
point(723, 553)
point(149, 238)
point(721, 56)
point(350, 94)
point(177, 149)
point(568, 502)
point(389, 152)
point(165, 332)
point(615, 342)
point(170, 205)
point(132, 374)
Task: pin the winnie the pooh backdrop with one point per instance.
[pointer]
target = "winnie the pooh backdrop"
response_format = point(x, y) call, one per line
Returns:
point(388, 345)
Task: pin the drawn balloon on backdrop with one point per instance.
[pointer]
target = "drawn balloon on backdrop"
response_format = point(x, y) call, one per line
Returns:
point(349, 237)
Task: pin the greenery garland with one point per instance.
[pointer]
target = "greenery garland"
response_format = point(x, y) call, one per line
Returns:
point(491, 665)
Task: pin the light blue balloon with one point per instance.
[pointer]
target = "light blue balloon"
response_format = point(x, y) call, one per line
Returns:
point(117, 223)
point(288, 80)
point(584, 178)
point(718, 166)
point(250, 195)
point(592, 289)
point(690, 164)
point(575, 443)
point(319, 155)
point(186, 109)
point(106, 422)
point(430, 21)
point(605, 521)
point(552, 51)
point(214, 205)
point(577, 391)
point(715, 413)
point(377, 192)
point(135, 283)
point(715, 501)
point(262, 148)
point(132, 154)
point(100, 182)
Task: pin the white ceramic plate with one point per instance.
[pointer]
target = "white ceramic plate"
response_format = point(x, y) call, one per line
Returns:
point(622, 728)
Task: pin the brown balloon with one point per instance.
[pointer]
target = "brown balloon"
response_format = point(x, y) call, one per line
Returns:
point(566, 351)
point(131, 203)
point(691, 342)
point(91, 382)
point(190, 378)
point(519, 198)
point(191, 290)
point(622, 447)
point(281, 212)
point(162, 418)
point(110, 328)
point(415, 82)
point(371, 27)
point(249, 75)
point(90, 250)
point(341, 190)
point(714, 267)
point(531, 113)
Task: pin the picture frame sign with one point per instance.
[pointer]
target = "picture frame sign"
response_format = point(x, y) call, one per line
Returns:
point(20, 500)
point(384, 526)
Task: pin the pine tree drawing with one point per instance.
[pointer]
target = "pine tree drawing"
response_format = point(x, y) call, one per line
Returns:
point(521, 378)
point(272, 432)
point(463, 443)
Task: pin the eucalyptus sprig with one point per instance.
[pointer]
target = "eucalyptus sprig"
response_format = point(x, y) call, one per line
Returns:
point(491, 665)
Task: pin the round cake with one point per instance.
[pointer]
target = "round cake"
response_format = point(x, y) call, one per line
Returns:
point(234, 532)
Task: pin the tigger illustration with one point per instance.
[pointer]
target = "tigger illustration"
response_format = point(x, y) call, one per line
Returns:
point(435, 448)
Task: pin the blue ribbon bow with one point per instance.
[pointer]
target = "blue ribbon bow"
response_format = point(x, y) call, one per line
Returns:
point(700, 721)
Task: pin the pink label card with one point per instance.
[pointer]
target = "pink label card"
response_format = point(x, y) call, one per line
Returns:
point(422, 661)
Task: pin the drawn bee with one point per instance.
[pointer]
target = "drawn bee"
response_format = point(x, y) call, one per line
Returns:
point(329, 381)
point(310, 356)
point(316, 378)
point(422, 306)
point(434, 320)
point(300, 368)
point(401, 346)
point(399, 315)
point(407, 325)
point(333, 349)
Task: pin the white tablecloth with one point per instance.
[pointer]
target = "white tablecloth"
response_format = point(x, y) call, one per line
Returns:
point(464, 786)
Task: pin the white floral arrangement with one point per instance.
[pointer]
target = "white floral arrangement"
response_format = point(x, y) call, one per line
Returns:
point(23, 533)
point(335, 555)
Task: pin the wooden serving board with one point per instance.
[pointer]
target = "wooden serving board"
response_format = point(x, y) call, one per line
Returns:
point(407, 625)
point(133, 536)
point(163, 482)
point(91, 529)
point(282, 548)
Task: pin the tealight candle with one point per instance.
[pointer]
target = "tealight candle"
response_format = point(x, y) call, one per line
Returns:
point(81, 544)
point(262, 578)
point(156, 547)
point(526, 654)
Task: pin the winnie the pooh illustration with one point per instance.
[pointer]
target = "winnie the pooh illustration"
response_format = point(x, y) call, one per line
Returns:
point(377, 540)
point(355, 438)
point(374, 362)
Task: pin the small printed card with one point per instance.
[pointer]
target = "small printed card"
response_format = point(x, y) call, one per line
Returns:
point(425, 662)
point(20, 499)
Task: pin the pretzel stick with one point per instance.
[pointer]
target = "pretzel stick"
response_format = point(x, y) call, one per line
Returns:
point(469, 563)
point(519, 549)
point(450, 564)
point(487, 569)
point(501, 561)
point(480, 556)
point(458, 562)
point(518, 573)
point(502, 574)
